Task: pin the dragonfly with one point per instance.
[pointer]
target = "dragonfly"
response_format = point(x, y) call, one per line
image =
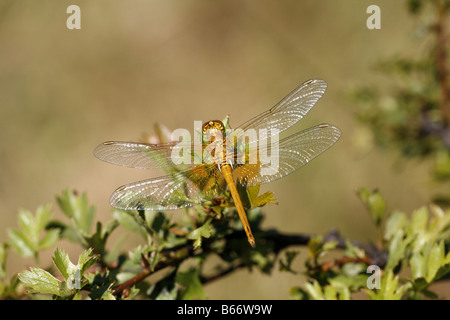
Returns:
point(222, 161)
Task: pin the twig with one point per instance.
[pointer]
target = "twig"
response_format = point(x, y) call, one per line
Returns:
point(172, 257)
point(279, 241)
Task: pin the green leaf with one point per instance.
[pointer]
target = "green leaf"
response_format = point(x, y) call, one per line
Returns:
point(418, 265)
point(62, 262)
point(328, 292)
point(86, 260)
point(315, 246)
point(389, 288)
point(374, 202)
point(20, 243)
point(397, 248)
point(131, 221)
point(314, 290)
point(97, 241)
point(191, 286)
point(40, 281)
point(261, 200)
point(32, 236)
point(78, 209)
point(101, 286)
point(435, 260)
point(419, 220)
point(353, 251)
point(298, 293)
point(286, 266)
point(352, 282)
point(202, 232)
point(49, 240)
point(396, 221)
point(73, 274)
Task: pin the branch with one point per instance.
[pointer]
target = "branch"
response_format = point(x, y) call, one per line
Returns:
point(279, 241)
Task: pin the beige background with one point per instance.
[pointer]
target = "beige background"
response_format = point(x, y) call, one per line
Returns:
point(138, 62)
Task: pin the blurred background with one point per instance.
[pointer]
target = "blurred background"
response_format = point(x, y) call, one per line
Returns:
point(136, 63)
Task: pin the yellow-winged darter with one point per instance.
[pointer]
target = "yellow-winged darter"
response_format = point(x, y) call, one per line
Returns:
point(219, 157)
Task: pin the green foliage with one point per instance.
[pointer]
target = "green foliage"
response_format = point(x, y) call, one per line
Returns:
point(41, 281)
point(416, 254)
point(416, 243)
point(33, 235)
point(411, 112)
point(110, 274)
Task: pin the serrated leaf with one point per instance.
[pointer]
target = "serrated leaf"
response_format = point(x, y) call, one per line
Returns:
point(418, 265)
point(62, 262)
point(103, 292)
point(131, 221)
point(42, 217)
point(20, 243)
point(86, 260)
point(26, 241)
point(155, 220)
point(315, 246)
point(389, 288)
point(202, 232)
point(191, 285)
point(353, 282)
point(98, 239)
point(435, 260)
point(50, 238)
point(397, 248)
point(314, 290)
point(353, 251)
point(374, 202)
point(40, 281)
point(336, 292)
point(26, 223)
point(419, 220)
point(298, 293)
point(290, 256)
point(251, 199)
point(77, 208)
point(396, 221)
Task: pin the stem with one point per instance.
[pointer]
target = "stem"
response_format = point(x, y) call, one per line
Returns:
point(278, 240)
point(180, 254)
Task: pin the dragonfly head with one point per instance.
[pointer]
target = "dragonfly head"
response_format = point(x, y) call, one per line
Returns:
point(212, 127)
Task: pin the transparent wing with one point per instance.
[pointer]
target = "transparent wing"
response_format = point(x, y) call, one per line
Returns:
point(293, 152)
point(290, 110)
point(179, 190)
point(280, 117)
point(138, 155)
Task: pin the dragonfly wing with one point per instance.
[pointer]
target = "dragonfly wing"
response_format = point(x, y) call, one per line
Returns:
point(293, 152)
point(138, 155)
point(179, 190)
point(289, 110)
